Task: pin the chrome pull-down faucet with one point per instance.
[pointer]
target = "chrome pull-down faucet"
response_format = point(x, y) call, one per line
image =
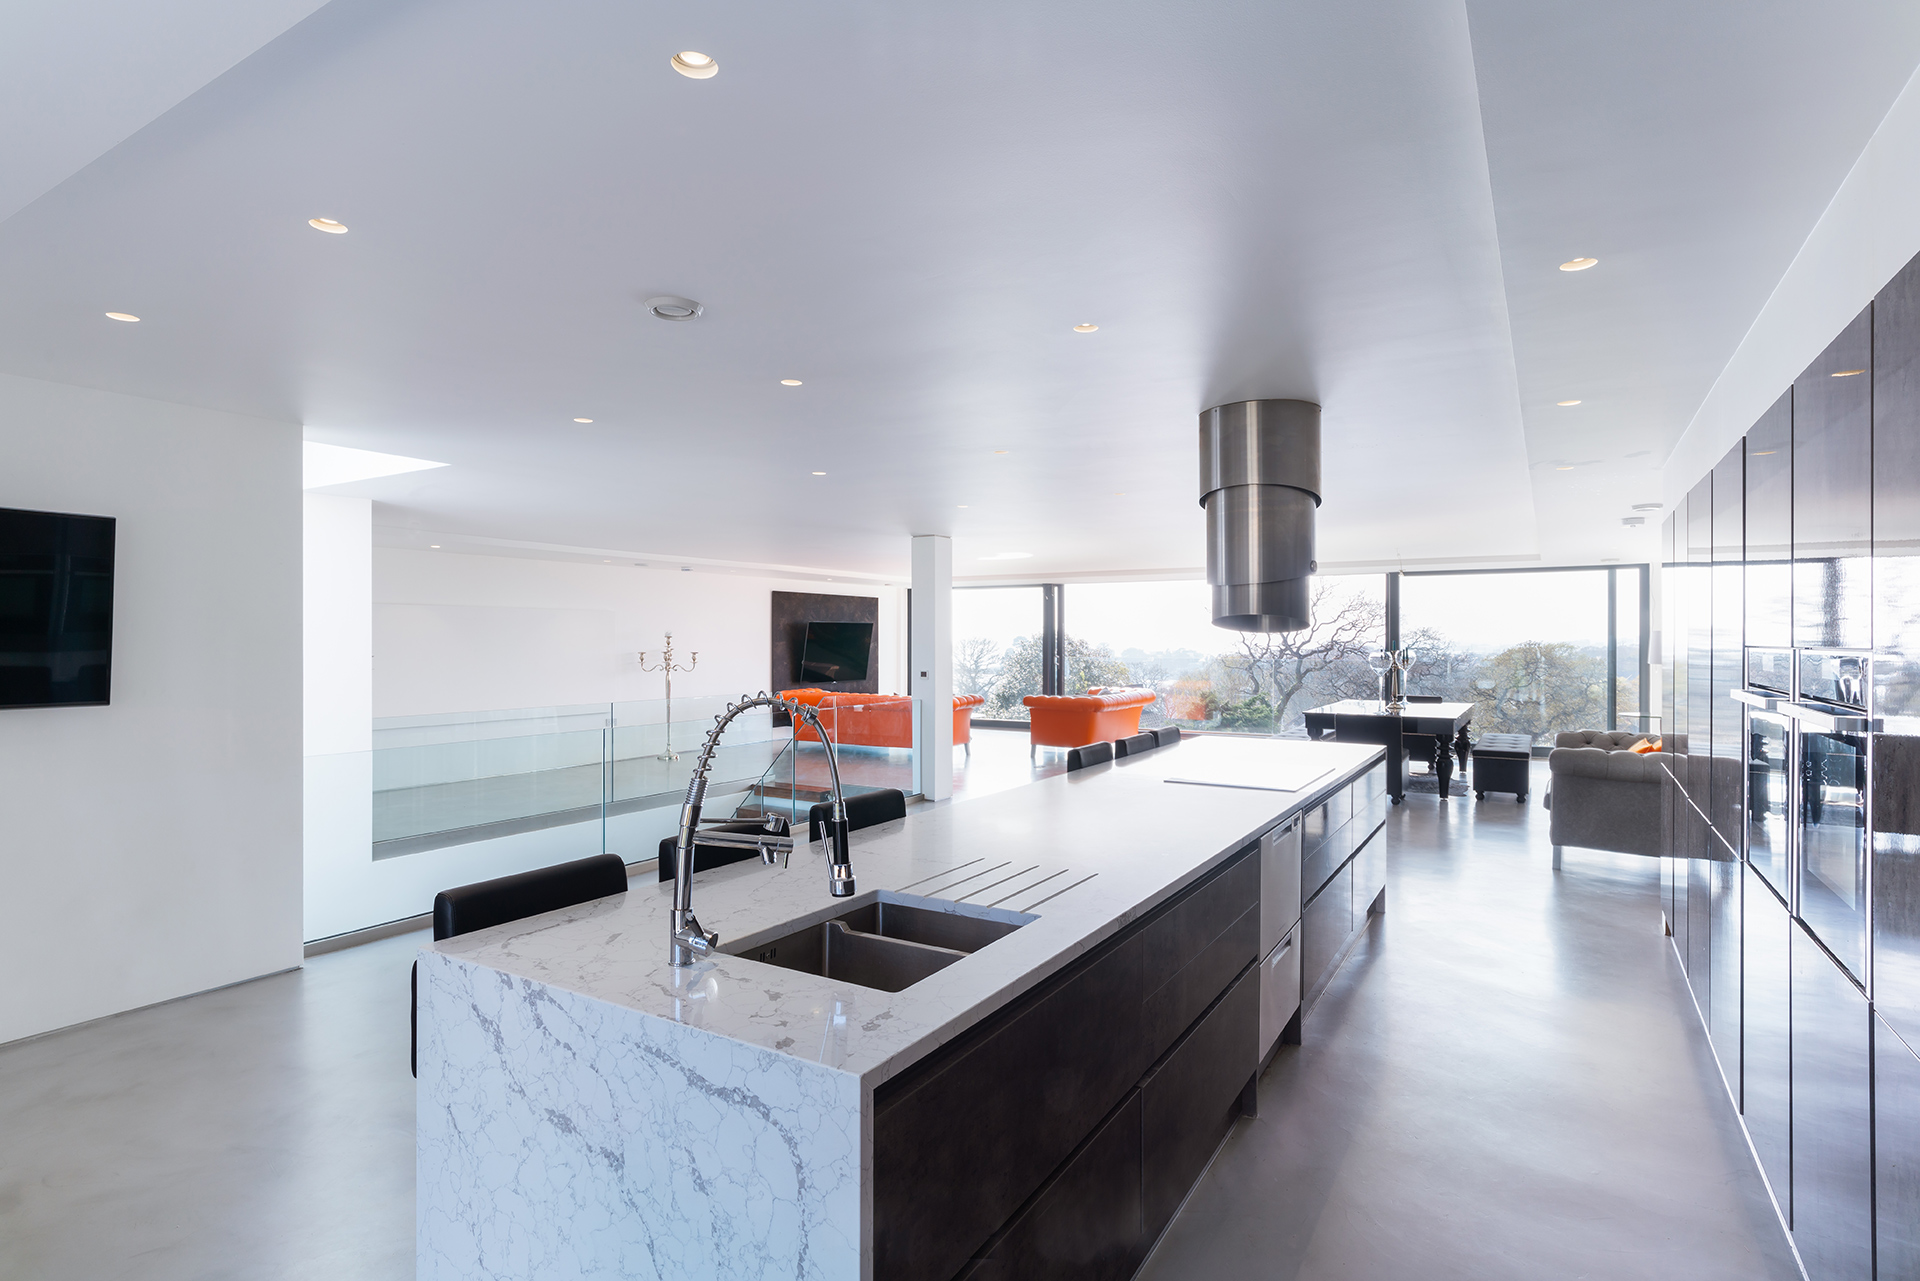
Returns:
point(687, 942)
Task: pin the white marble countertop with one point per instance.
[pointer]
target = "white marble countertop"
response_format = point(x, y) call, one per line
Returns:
point(1084, 853)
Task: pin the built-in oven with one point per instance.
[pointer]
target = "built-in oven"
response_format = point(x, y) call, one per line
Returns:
point(1808, 736)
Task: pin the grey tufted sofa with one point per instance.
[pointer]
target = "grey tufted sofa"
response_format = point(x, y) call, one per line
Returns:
point(1604, 797)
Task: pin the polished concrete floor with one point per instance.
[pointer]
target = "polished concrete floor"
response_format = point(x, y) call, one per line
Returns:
point(1506, 1080)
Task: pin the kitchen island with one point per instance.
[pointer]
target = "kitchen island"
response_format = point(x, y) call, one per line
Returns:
point(587, 1110)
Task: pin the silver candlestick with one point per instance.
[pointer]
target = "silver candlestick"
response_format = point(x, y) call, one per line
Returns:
point(666, 665)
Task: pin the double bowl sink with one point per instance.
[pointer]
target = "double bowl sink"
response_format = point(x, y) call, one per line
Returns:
point(888, 944)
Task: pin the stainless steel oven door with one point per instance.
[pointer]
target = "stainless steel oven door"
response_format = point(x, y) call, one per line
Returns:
point(1832, 841)
point(1770, 809)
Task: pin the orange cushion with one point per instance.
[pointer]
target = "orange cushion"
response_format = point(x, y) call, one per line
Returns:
point(1645, 746)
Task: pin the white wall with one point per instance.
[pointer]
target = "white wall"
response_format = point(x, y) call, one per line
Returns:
point(1867, 234)
point(463, 633)
point(391, 632)
point(151, 848)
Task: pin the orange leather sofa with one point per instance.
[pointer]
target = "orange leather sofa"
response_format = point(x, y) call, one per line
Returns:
point(1074, 720)
point(875, 720)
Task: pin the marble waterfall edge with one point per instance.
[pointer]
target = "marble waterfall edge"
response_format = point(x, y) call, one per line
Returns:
point(562, 1136)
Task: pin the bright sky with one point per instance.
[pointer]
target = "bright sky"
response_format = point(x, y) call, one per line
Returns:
point(1483, 612)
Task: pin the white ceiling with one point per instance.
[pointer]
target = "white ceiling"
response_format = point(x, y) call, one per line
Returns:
point(908, 208)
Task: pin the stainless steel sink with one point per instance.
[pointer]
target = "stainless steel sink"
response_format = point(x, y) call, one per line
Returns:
point(888, 944)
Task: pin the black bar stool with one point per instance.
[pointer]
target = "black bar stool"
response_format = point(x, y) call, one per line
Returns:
point(467, 908)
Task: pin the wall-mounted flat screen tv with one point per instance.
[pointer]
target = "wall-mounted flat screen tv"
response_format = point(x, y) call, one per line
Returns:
point(56, 609)
point(836, 652)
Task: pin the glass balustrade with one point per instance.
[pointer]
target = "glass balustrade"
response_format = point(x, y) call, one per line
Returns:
point(445, 800)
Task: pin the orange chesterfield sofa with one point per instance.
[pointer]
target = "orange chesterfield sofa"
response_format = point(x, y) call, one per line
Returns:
point(875, 720)
point(1074, 720)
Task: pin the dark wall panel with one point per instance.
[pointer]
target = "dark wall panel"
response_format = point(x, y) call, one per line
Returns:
point(1832, 1119)
point(1833, 492)
point(1700, 934)
point(792, 611)
point(1699, 591)
point(1896, 490)
point(1727, 659)
point(1724, 952)
point(1767, 1064)
point(1896, 882)
point(1896, 1184)
point(1769, 521)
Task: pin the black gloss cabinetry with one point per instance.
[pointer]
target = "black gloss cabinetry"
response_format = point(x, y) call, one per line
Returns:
point(1793, 897)
point(1006, 1146)
point(1343, 879)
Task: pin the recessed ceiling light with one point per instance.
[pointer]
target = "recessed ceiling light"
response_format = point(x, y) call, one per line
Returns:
point(1084, 329)
point(1578, 264)
point(1564, 403)
point(671, 307)
point(1633, 522)
point(1847, 373)
point(695, 66)
point(961, 507)
point(1762, 453)
point(583, 420)
point(789, 382)
point(819, 473)
point(1003, 451)
point(1567, 467)
point(434, 546)
point(328, 225)
point(121, 315)
point(1648, 507)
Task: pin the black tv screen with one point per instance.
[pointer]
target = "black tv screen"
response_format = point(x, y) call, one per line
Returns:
point(56, 609)
point(836, 652)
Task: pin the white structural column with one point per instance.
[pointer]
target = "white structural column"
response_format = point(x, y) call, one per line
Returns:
point(932, 671)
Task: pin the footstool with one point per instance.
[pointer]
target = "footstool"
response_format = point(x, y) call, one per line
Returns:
point(1500, 764)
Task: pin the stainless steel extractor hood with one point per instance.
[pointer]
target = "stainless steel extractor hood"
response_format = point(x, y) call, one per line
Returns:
point(1260, 486)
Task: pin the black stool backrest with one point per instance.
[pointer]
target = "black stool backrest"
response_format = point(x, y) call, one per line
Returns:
point(869, 809)
point(508, 898)
point(1134, 745)
point(1425, 698)
point(1168, 735)
point(712, 856)
point(467, 908)
point(1091, 754)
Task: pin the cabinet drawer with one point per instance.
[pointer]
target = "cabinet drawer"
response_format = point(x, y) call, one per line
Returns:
point(1318, 863)
point(1318, 822)
point(1279, 882)
point(1324, 928)
point(1279, 990)
point(1194, 949)
point(1086, 1223)
point(1370, 786)
point(1190, 1099)
point(1369, 877)
point(959, 1148)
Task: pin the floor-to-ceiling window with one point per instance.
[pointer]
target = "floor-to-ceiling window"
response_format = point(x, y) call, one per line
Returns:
point(1160, 635)
point(1001, 647)
point(1538, 652)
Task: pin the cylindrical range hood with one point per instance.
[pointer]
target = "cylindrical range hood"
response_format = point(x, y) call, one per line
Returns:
point(1260, 486)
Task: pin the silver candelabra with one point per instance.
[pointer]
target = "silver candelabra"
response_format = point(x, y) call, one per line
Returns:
point(666, 665)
